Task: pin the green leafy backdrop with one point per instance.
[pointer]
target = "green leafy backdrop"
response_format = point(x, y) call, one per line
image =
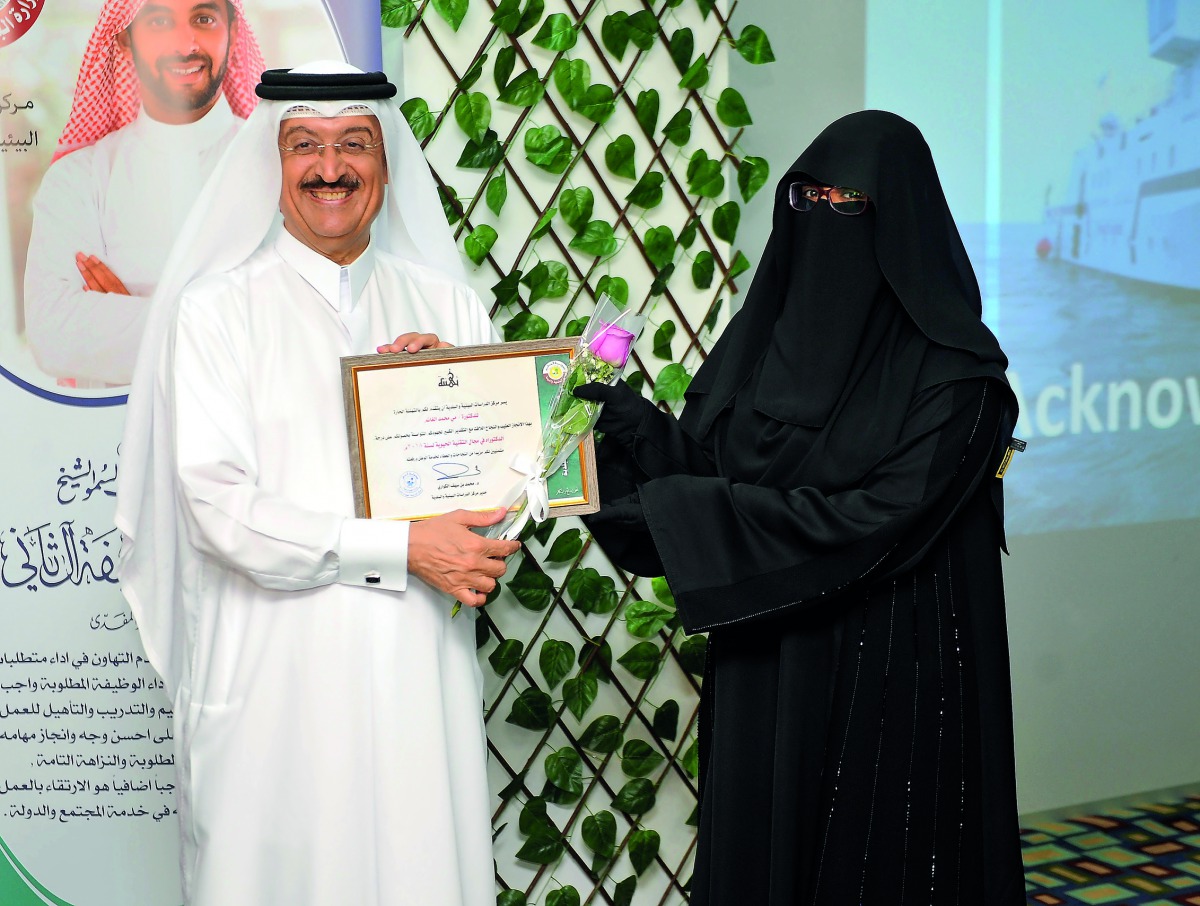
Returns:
point(580, 148)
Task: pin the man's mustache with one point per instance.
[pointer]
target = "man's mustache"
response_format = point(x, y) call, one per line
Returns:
point(345, 181)
point(202, 58)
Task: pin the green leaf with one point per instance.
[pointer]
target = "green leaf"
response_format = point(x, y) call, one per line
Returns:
point(682, 46)
point(592, 592)
point(753, 45)
point(670, 385)
point(639, 758)
point(507, 15)
point(643, 29)
point(547, 280)
point(534, 821)
point(506, 60)
point(506, 656)
point(662, 590)
point(571, 78)
point(703, 268)
point(688, 236)
point(597, 104)
point(508, 289)
point(480, 242)
point(529, 17)
point(678, 129)
point(616, 287)
point(452, 11)
point(697, 75)
point(555, 660)
point(540, 228)
point(531, 710)
point(420, 120)
point(691, 759)
point(450, 206)
point(624, 891)
point(662, 341)
point(575, 327)
point(647, 111)
point(739, 265)
point(532, 587)
point(576, 206)
point(497, 192)
point(600, 833)
point(398, 13)
point(659, 243)
point(541, 850)
point(642, 660)
point(725, 220)
point(564, 769)
point(710, 322)
point(523, 91)
point(471, 76)
point(644, 618)
point(692, 653)
point(753, 173)
point(614, 32)
point(704, 175)
point(511, 898)
point(483, 630)
point(603, 735)
point(528, 326)
point(567, 545)
point(579, 692)
point(636, 797)
point(547, 148)
point(661, 279)
point(595, 657)
point(557, 33)
point(597, 238)
point(564, 896)
point(473, 113)
point(636, 381)
point(643, 848)
point(648, 192)
point(483, 156)
point(666, 720)
point(706, 7)
point(619, 156)
point(732, 110)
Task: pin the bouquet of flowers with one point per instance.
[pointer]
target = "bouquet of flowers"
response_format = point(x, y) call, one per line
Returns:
point(604, 348)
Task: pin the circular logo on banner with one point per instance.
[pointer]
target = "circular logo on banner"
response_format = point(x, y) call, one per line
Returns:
point(554, 372)
point(17, 17)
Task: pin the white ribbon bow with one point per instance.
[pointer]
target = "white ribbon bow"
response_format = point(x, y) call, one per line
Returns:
point(538, 507)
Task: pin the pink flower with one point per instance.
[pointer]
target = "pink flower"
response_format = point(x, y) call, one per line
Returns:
point(612, 344)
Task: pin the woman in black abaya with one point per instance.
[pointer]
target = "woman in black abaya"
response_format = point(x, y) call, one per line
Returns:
point(828, 510)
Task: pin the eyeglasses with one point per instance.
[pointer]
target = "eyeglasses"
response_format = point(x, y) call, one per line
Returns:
point(804, 196)
point(352, 147)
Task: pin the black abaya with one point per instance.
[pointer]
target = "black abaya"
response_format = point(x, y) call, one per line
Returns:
point(840, 540)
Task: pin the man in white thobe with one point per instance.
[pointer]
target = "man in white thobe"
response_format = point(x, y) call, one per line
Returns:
point(163, 87)
point(328, 709)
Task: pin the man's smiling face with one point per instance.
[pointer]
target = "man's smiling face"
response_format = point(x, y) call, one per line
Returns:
point(180, 49)
point(330, 196)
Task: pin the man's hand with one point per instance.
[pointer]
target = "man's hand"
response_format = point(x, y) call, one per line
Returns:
point(97, 277)
point(413, 342)
point(445, 553)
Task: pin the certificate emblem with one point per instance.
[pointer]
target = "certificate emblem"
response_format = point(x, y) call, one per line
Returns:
point(410, 484)
point(554, 372)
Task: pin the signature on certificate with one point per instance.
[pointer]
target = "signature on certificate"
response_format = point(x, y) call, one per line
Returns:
point(448, 470)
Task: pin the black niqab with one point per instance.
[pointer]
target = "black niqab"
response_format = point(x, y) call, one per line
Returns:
point(849, 315)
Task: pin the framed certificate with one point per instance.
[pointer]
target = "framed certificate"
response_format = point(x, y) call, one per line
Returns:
point(441, 429)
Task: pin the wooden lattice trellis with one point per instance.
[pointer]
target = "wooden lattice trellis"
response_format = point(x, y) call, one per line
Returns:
point(592, 745)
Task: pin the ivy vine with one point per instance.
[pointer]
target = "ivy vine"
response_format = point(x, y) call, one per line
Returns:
point(648, 176)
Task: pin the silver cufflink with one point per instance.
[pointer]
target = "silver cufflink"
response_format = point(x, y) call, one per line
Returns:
point(373, 578)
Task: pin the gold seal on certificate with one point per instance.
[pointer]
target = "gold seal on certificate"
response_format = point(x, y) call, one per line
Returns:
point(447, 429)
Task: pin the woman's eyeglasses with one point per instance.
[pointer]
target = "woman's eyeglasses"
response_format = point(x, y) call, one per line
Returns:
point(804, 196)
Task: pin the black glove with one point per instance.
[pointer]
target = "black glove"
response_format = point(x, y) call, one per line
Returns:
point(624, 513)
point(623, 411)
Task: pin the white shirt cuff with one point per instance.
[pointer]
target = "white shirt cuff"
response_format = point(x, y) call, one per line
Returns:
point(374, 553)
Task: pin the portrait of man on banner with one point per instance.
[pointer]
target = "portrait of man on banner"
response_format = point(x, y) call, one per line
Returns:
point(163, 87)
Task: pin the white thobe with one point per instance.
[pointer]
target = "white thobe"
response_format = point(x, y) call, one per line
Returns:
point(330, 739)
point(124, 200)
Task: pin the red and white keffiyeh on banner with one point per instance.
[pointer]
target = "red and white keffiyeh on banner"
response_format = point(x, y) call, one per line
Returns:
point(107, 95)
